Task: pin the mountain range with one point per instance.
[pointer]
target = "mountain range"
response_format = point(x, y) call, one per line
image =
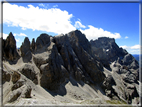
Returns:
point(68, 69)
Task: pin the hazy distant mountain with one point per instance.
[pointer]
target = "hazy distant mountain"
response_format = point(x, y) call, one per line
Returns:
point(136, 56)
point(68, 69)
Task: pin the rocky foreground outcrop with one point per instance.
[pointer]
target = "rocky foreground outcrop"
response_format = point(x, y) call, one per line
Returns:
point(50, 62)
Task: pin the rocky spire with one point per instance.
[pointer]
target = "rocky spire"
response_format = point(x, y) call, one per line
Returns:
point(9, 48)
point(33, 45)
point(25, 47)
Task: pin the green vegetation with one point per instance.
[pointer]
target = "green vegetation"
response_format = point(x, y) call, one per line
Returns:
point(115, 102)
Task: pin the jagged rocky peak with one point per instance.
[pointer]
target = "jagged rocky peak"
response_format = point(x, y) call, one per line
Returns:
point(107, 44)
point(25, 47)
point(69, 60)
point(103, 42)
point(105, 48)
point(42, 40)
point(80, 39)
point(10, 41)
point(9, 48)
point(75, 50)
point(32, 47)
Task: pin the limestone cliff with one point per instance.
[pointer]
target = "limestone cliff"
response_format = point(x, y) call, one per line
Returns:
point(52, 62)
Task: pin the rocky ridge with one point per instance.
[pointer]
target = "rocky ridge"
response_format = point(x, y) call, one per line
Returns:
point(53, 62)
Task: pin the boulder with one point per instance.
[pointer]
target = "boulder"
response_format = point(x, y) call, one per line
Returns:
point(17, 85)
point(15, 77)
point(29, 71)
point(5, 76)
point(108, 82)
point(129, 78)
point(22, 92)
point(47, 75)
point(130, 93)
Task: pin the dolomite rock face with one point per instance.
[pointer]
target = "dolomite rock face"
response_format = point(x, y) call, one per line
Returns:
point(25, 47)
point(121, 63)
point(26, 51)
point(42, 40)
point(32, 47)
point(9, 48)
point(51, 62)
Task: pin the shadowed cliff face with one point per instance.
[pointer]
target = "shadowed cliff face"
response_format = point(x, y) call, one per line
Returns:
point(106, 50)
point(9, 48)
point(50, 61)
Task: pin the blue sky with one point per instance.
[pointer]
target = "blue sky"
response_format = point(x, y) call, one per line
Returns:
point(115, 20)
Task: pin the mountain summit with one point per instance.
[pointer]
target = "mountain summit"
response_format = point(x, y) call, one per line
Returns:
point(69, 69)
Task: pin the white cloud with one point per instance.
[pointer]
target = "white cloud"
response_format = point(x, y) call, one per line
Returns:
point(4, 35)
point(55, 6)
point(131, 47)
point(126, 37)
point(125, 47)
point(79, 19)
point(135, 50)
point(21, 34)
point(42, 5)
point(14, 34)
point(79, 25)
point(51, 20)
point(135, 47)
point(17, 40)
point(94, 33)
point(35, 18)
